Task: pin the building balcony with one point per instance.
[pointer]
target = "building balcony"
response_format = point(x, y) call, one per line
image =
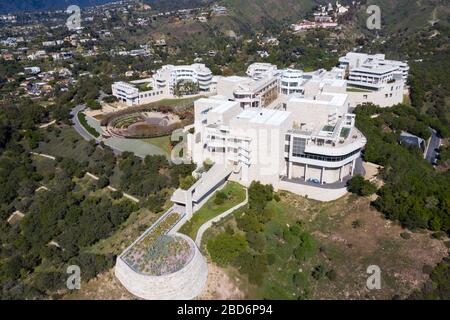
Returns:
point(216, 144)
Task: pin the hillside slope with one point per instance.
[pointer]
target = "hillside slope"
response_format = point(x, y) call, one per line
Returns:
point(410, 15)
point(253, 11)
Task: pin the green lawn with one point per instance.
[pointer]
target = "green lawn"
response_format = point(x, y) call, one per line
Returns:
point(236, 194)
point(161, 142)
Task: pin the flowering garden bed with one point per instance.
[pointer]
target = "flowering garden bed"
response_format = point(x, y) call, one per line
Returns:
point(159, 254)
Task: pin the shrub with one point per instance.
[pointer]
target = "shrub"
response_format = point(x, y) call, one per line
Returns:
point(46, 281)
point(318, 272)
point(257, 241)
point(85, 124)
point(93, 264)
point(155, 203)
point(253, 265)
point(271, 258)
point(438, 235)
point(299, 279)
point(103, 182)
point(357, 224)
point(220, 198)
point(405, 235)
point(116, 195)
point(224, 248)
point(331, 275)
point(94, 105)
point(248, 221)
point(427, 269)
point(360, 186)
point(259, 195)
point(229, 229)
point(110, 99)
point(276, 197)
point(306, 248)
point(187, 182)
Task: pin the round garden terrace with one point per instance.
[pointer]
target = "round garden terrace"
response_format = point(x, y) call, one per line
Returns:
point(145, 122)
point(163, 266)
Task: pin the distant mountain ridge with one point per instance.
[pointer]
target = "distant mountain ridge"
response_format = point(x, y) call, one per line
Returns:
point(16, 6)
point(396, 14)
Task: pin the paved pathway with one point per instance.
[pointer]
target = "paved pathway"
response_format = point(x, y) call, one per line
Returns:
point(43, 155)
point(126, 195)
point(45, 125)
point(92, 176)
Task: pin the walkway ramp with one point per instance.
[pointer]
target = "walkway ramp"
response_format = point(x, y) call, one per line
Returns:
point(207, 184)
point(198, 193)
point(209, 180)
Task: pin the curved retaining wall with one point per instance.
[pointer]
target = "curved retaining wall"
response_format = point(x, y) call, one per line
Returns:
point(315, 193)
point(185, 284)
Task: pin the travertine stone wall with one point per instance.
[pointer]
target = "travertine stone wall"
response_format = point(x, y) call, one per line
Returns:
point(184, 284)
point(315, 193)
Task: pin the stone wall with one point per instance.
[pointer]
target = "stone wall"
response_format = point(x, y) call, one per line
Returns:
point(315, 193)
point(184, 284)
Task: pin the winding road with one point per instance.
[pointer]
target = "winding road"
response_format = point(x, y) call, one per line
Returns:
point(78, 126)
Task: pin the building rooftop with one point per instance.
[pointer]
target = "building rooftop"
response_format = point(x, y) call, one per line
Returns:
point(224, 106)
point(375, 68)
point(328, 98)
point(219, 106)
point(264, 116)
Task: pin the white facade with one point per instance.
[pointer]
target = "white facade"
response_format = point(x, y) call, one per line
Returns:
point(291, 81)
point(389, 95)
point(354, 60)
point(163, 83)
point(258, 89)
point(310, 145)
point(169, 75)
point(372, 78)
point(258, 69)
point(323, 145)
point(130, 94)
point(250, 141)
